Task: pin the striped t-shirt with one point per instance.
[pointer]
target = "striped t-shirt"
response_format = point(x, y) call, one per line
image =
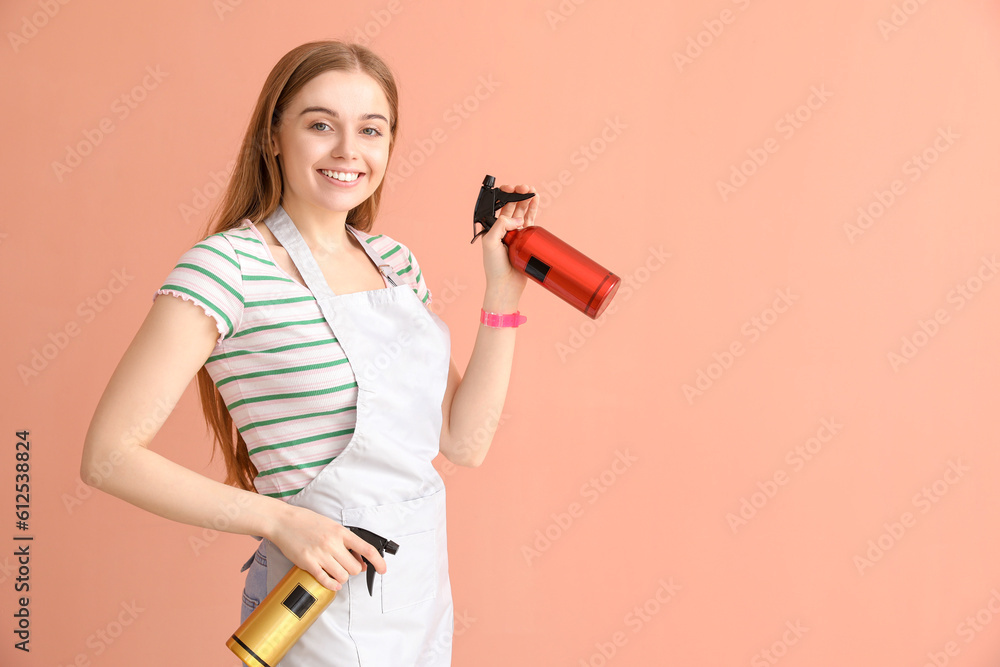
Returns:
point(277, 364)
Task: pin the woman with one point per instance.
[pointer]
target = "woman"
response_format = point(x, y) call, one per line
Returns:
point(320, 351)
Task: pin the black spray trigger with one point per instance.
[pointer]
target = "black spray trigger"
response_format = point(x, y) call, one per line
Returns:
point(382, 544)
point(490, 201)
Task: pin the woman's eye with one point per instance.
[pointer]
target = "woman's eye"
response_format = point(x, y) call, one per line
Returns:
point(375, 132)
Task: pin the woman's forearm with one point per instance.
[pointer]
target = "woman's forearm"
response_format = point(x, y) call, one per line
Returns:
point(148, 480)
point(479, 398)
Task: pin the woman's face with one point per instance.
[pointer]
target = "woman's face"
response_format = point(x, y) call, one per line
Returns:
point(333, 141)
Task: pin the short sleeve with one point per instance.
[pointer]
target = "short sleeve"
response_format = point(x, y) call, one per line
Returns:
point(415, 277)
point(209, 275)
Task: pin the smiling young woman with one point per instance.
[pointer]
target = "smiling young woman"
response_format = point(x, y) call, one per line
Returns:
point(327, 381)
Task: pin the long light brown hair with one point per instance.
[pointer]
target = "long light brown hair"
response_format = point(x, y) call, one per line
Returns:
point(255, 188)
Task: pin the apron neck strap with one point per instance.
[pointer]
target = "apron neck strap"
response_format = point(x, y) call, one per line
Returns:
point(290, 238)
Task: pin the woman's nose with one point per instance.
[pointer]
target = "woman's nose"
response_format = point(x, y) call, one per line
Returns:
point(345, 146)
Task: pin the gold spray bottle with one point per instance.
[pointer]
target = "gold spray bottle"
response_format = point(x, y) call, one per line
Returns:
point(290, 608)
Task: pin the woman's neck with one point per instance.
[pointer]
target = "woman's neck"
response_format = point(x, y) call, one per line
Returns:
point(321, 229)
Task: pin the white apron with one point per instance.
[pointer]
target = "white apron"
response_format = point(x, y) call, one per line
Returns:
point(383, 481)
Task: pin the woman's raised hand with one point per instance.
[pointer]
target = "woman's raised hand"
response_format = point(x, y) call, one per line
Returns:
point(322, 547)
point(501, 277)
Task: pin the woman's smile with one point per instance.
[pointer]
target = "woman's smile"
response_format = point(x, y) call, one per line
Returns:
point(344, 179)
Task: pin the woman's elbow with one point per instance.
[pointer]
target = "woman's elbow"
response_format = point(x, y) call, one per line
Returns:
point(89, 467)
point(466, 455)
point(475, 461)
point(98, 463)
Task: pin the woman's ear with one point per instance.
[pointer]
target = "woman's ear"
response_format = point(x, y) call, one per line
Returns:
point(273, 136)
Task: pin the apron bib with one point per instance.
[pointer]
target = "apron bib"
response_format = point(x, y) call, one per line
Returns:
point(383, 481)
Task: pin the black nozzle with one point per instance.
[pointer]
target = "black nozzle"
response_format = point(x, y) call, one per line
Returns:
point(490, 201)
point(381, 543)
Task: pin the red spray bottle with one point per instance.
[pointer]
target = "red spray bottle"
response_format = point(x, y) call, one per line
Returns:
point(550, 262)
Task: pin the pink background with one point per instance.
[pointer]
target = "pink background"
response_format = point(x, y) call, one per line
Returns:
point(883, 351)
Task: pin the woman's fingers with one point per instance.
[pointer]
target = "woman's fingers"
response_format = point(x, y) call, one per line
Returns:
point(521, 209)
point(338, 568)
point(508, 208)
point(364, 565)
point(326, 579)
point(529, 218)
point(522, 206)
point(328, 550)
point(335, 570)
point(500, 228)
point(363, 548)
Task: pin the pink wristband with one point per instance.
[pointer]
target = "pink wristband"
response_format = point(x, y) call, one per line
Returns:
point(499, 320)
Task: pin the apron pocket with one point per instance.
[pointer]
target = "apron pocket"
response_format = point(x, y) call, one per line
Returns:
point(412, 574)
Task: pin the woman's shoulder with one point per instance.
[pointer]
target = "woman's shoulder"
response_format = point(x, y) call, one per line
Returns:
point(392, 251)
point(400, 258)
point(231, 245)
point(239, 233)
point(225, 237)
point(210, 273)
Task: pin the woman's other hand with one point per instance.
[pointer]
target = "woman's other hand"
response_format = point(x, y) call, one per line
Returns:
point(322, 547)
point(502, 279)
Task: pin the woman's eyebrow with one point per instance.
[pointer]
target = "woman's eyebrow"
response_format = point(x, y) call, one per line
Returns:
point(328, 112)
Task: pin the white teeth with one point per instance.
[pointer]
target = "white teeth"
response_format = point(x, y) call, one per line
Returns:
point(347, 177)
